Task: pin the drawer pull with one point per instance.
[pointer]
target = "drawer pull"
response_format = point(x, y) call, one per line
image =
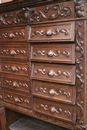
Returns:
point(15, 84)
point(51, 53)
point(53, 92)
point(12, 52)
point(52, 73)
point(53, 109)
point(16, 99)
point(15, 69)
point(11, 35)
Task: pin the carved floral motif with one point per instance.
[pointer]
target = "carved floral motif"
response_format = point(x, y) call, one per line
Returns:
point(31, 15)
point(79, 8)
point(79, 71)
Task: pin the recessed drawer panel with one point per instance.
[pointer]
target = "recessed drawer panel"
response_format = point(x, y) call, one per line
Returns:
point(54, 91)
point(54, 73)
point(16, 84)
point(16, 34)
point(64, 53)
point(17, 99)
point(14, 52)
point(15, 68)
point(52, 32)
point(54, 109)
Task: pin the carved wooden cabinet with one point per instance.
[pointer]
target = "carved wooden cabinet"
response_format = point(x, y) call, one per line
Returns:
point(43, 62)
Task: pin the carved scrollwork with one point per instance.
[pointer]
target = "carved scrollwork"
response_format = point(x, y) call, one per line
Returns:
point(12, 35)
point(53, 109)
point(79, 71)
point(14, 68)
point(15, 84)
point(50, 32)
point(31, 15)
point(13, 52)
point(79, 8)
point(52, 73)
point(51, 53)
point(53, 92)
point(17, 99)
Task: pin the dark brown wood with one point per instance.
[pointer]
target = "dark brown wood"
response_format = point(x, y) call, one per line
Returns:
point(43, 55)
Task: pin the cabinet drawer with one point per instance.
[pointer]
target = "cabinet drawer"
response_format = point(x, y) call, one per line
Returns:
point(54, 91)
point(13, 34)
point(16, 84)
point(52, 32)
point(54, 109)
point(64, 53)
point(17, 99)
point(14, 52)
point(15, 68)
point(54, 73)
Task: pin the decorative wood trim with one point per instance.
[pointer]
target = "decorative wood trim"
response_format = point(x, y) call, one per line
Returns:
point(79, 71)
point(79, 8)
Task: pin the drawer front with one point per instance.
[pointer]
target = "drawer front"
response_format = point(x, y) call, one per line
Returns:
point(54, 109)
point(54, 91)
point(14, 52)
point(54, 73)
point(15, 68)
point(51, 12)
point(16, 34)
point(52, 32)
point(64, 53)
point(17, 99)
point(16, 84)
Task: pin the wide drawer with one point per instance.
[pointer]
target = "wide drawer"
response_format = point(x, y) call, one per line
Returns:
point(14, 52)
point(54, 73)
point(52, 32)
point(64, 53)
point(16, 84)
point(13, 34)
point(15, 68)
point(55, 109)
point(54, 91)
point(17, 99)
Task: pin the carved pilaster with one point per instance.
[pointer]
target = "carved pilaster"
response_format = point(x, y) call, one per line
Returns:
point(80, 71)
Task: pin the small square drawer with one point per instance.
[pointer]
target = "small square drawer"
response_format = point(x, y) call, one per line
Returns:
point(54, 73)
point(17, 83)
point(54, 91)
point(15, 68)
point(52, 32)
point(17, 99)
point(55, 109)
point(62, 53)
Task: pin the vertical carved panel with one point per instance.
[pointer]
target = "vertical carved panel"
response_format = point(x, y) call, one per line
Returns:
point(79, 8)
point(80, 70)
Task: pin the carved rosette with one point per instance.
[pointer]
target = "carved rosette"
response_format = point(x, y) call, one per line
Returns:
point(79, 8)
point(80, 71)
